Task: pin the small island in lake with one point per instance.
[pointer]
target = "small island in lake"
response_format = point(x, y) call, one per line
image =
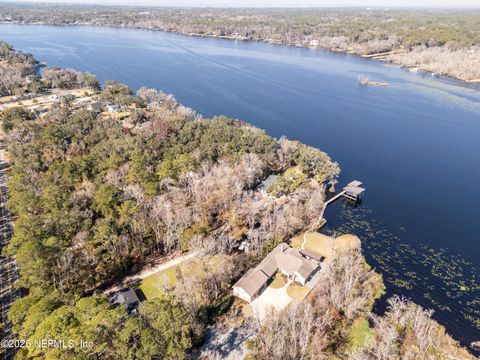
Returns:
point(365, 81)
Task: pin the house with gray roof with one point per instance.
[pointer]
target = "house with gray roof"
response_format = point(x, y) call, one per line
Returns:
point(126, 297)
point(283, 258)
point(267, 183)
point(95, 106)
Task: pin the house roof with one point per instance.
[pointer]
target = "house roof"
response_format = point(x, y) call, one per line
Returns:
point(282, 257)
point(294, 252)
point(96, 106)
point(354, 183)
point(124, 297)
point(268, 266)
point(288, 263)
point(354, 189)
point(312, 254)
point(306, 269)
point(252, 281)
point(269, 181)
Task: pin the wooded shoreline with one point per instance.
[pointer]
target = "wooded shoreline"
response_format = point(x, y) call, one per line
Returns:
point(439, 42)
point(386, 57)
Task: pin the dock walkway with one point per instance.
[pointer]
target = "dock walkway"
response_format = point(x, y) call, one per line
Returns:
point(352, 192)
point(340, 194)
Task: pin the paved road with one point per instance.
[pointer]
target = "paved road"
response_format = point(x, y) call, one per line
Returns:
point(8, 268)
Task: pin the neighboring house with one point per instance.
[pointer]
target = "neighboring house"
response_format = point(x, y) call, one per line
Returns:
point(126, 297)
point(266, 184)
point(83, 100)
point(313, 43)
point(65, 97)
point(29, 78)
point(38, 109)
point(113, 108)
point(144, 125)
point(283, 258)
point(95, 106)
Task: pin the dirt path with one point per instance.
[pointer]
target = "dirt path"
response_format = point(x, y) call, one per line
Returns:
point(147, 271)
point(304, 240)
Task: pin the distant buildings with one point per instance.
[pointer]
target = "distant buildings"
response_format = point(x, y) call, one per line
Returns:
point(66, 96)
point(38, 109)
point(313, 43)
point(285, 259)
point(113, 108)
point(95, 106)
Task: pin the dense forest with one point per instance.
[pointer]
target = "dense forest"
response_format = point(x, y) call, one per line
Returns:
point(440, 41)
point(91, 200)
point(16, 70)
point(94, 196)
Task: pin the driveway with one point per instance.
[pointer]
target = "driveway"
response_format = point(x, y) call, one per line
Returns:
point(277, 299)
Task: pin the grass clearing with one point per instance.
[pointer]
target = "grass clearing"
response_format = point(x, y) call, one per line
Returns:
point(278, 282)
point(154, 285)
point(347, 241)
point(317, 242)
point(324, 244)
point(360, 333)
point(298, 292)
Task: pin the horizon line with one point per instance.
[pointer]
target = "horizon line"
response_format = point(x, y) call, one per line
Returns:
point(365, 7)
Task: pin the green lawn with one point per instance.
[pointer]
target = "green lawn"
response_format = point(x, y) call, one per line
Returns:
point(278, 282)
point(298, 292)
point(317, 242)
point(360, 333)
point(154, 285)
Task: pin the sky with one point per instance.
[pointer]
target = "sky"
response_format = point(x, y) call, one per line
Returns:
point(284, 3)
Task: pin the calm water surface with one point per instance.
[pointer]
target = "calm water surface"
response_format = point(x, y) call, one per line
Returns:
point(414, 144)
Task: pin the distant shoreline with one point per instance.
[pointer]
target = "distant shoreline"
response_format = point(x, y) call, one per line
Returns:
point(378, 56)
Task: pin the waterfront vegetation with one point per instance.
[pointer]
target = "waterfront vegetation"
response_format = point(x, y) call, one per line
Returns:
point(440, 41)
point(93, 197)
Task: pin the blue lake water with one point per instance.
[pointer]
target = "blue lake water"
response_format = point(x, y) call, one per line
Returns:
point(414, 144)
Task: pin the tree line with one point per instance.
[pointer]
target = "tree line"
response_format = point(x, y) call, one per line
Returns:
point(441, 41)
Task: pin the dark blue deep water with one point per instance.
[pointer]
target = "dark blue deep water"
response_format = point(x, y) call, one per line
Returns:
point(414, 144)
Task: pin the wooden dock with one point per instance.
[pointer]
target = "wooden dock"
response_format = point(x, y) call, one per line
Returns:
point(339, 195)
point(351, 192)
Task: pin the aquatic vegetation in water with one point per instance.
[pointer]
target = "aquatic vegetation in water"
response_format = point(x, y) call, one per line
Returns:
point(451, 97)
point(433, 277)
